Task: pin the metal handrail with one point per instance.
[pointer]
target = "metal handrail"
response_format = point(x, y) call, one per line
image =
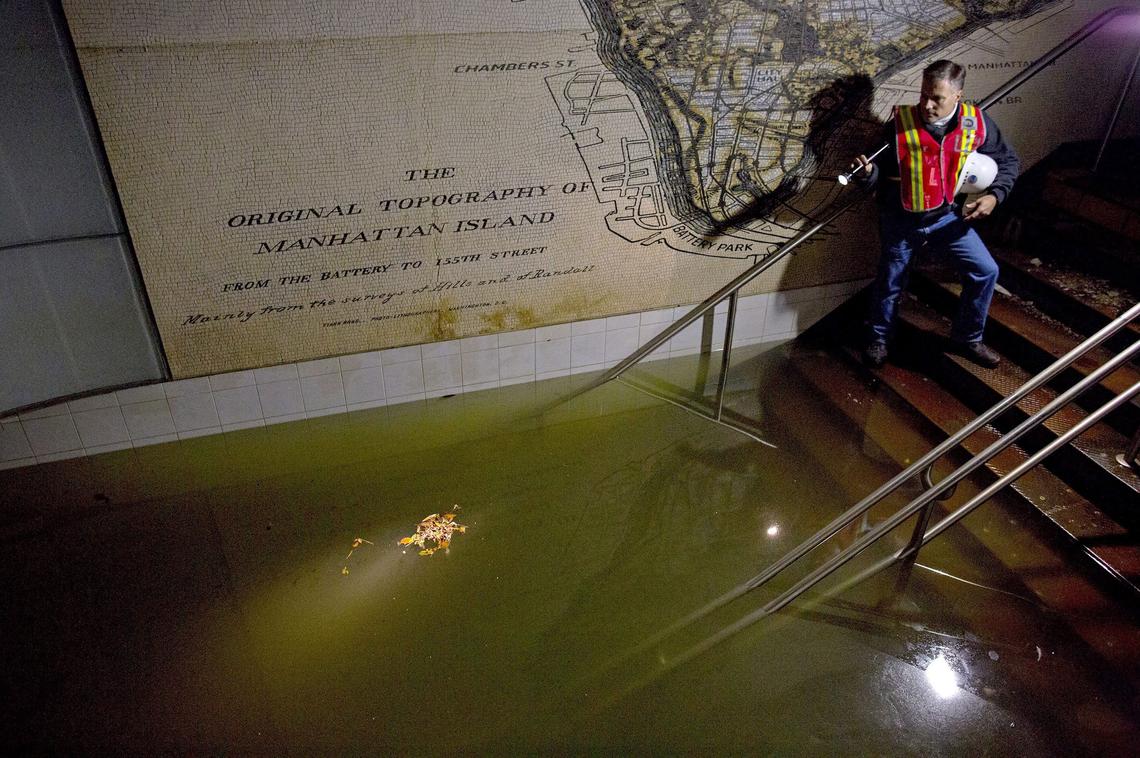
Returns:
point(871, 536)
point(976, 462)
point(937, 490)
point(913, 507)
point(714, 299)
point(927, 460)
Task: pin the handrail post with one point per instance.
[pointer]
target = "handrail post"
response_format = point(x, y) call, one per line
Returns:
point(726, 354)
point(909, 554)
point(1130, 458)
point(838, 208)
point(701, 380)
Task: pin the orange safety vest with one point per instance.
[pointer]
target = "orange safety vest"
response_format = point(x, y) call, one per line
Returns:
point(928, 169)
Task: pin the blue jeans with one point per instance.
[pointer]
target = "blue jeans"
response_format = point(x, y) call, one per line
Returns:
point(949, 234)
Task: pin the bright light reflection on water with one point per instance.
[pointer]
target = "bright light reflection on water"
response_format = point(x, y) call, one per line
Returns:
point(942, 678)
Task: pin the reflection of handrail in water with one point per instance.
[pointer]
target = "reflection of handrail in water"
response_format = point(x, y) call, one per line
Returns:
point(720, 418)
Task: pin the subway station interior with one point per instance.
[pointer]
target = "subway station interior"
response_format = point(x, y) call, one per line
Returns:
point(501, 378)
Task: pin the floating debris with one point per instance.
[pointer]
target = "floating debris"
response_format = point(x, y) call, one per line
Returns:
point(435, 529)
point(356, 543)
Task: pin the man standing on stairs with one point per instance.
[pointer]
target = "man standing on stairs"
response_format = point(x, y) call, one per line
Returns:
point(918, 209)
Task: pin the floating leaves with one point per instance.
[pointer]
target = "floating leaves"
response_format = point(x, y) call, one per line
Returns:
point(356, 543)
point(435, 529)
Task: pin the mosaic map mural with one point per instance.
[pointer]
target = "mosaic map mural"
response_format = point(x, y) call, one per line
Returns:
point(302, 183)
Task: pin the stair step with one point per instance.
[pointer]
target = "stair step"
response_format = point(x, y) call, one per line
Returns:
point(1101, 203)
point(1017, 329)
point(1083, 303)
point(1095, 535)
point(1062, 211)
point(1088, 463)
point(1096, 235)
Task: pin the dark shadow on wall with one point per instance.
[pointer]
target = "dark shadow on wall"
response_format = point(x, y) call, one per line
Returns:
point(841, 126)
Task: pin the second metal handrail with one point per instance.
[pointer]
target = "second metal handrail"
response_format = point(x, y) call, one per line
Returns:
point(870, 537)
point(917, 468)
point(728, 290)
point(922, 502)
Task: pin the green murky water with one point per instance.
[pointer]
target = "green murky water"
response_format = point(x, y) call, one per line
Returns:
point(193, 597)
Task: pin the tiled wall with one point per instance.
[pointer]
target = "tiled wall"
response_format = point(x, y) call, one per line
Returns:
point(208, 405)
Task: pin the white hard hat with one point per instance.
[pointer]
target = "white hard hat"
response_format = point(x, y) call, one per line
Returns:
point(977, 175)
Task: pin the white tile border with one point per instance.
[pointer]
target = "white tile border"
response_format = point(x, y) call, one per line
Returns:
point(312, 389)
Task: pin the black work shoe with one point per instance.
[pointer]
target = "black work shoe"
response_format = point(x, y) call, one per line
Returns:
point(978, 352)
point(875, 354)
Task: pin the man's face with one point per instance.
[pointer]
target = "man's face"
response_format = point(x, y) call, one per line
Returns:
point(938, 100)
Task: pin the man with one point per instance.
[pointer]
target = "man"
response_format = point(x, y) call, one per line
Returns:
point(918, 209)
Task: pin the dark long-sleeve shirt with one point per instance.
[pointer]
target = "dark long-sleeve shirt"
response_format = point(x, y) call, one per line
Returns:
point(886, 171)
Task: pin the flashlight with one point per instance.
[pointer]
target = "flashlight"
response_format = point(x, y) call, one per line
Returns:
point(845, 179)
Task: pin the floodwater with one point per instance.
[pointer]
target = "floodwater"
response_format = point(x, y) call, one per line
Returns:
point(201, 597)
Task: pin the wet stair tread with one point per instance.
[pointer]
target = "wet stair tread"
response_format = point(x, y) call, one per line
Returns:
point(1049, 577)
point(1120, 190)
point(1015, 328)
point(1108, 544)
point(1099, 444)
point(1105, 209)
point(1033, 282)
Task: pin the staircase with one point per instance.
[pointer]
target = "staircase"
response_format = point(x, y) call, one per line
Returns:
point(1068, 243)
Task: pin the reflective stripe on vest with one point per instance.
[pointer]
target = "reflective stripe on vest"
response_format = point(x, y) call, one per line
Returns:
point(928, 169)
